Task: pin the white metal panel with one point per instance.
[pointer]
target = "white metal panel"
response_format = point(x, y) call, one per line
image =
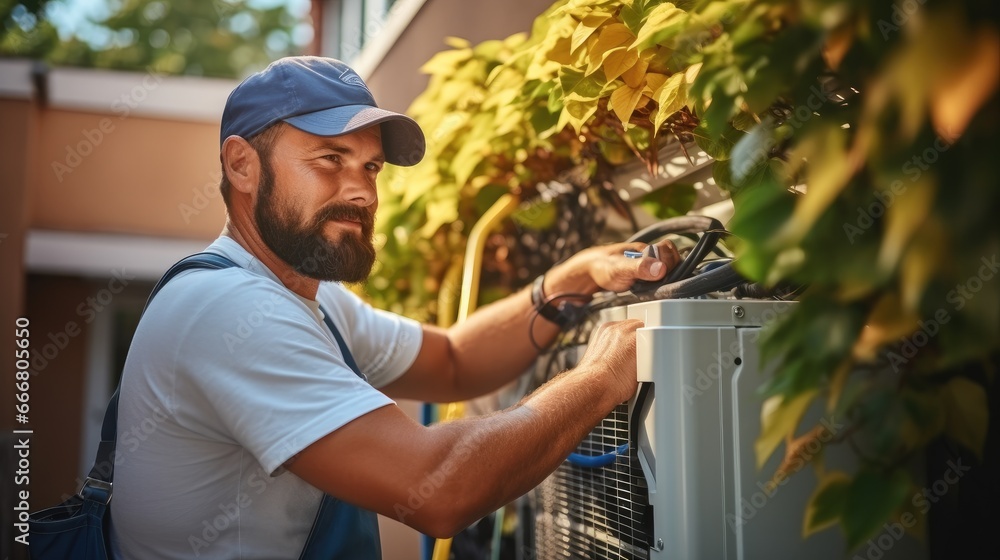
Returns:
point(699, 427)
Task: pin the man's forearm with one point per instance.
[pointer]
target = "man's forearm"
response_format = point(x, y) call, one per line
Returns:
point(515, 449)
point(494, 345)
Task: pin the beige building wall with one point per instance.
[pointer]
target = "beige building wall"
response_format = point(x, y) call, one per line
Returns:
point(396, 79)
point(134, 175)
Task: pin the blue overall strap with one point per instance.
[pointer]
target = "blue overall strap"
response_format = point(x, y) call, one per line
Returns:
point(348, 357)
point(103, 470)
point(342, 531)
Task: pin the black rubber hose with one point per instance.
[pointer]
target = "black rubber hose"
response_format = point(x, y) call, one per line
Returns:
point(718, 279)
point(680, 224)
point(705, 245)
point(710, 228)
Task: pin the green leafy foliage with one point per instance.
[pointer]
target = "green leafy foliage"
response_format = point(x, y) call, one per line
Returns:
point(594, 85)
point(857, 143)
point(24, 30)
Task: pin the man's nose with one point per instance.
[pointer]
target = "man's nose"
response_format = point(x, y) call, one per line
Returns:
point(360, 189)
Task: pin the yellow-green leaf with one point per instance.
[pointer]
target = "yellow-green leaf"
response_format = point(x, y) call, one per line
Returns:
point(826, 504)
point(561, 51)
point(439, 213)
point(635, 75)
point(457, 42)
point(830, 167)
point(921, 261)
point(618, 61)
point(509, 118)
point(968, 413)
point(445, 62)
point(778, 420)
point(468, 157)
point(654, 82)
point(417, 185)
point(691, 73)
point(661, 17)
point(569, 78)
point(586, 28)
point(624, 100)
point(671, 97)
point(577, 111)
point(886, 323)
point(904, 216)
point(609, 38)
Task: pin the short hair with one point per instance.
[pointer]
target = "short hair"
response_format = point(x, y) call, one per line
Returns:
point(263, 144)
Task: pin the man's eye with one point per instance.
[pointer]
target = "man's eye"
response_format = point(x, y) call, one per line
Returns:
point(373, 167)
point(332, 157)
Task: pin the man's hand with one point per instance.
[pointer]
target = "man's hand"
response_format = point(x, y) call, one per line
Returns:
point(611, 350)
point(607, 268)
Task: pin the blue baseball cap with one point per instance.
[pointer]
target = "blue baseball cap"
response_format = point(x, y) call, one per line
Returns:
point(321, 96)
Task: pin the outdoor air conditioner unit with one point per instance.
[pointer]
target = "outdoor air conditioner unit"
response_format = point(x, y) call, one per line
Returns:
point(691, 490)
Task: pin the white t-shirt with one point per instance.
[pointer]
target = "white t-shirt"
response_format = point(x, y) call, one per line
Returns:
point(229, 375)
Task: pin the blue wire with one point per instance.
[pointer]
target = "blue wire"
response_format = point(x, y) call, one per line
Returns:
point(597, 461)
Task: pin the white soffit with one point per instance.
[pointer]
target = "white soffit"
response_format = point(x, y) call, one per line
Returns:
point(632, 180)
point(15, 78)
point(148, 94)
point(100, 255)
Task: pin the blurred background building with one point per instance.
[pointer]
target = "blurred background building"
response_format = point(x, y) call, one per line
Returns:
point(108, 177)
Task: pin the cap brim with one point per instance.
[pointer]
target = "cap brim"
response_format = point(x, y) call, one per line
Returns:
point(402, 140)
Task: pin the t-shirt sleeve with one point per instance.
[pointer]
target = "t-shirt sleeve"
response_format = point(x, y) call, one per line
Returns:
point(384, 344)
point(272, 376)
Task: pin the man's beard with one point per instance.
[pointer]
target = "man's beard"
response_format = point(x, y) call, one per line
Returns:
point(305, 248)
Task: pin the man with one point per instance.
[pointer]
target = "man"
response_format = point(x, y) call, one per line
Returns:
point(249, 411)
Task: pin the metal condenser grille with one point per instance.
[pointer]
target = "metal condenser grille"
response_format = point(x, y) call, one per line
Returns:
point(595, 513)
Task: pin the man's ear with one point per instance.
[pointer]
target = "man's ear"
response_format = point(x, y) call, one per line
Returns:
point(241, 164)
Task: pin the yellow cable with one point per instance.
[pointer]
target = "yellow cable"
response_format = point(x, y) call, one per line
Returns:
point(474, 251)
point(442, 549)
point(470, 294)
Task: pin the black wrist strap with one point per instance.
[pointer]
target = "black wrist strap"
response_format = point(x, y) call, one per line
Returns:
point(548, 310)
